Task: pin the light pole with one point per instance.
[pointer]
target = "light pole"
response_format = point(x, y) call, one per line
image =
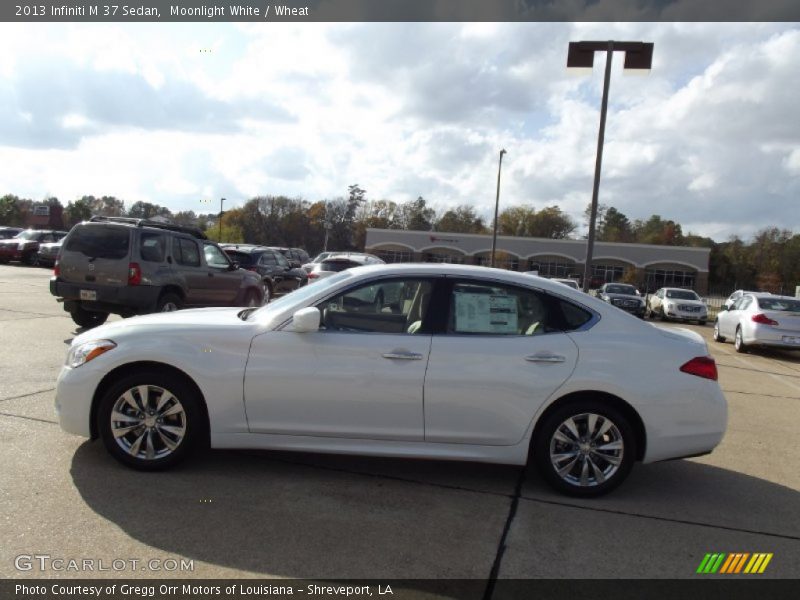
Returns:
point(497, 206)
point(638, 55)
point(221, 202)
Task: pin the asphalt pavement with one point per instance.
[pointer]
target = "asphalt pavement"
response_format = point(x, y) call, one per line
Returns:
point(269, 514)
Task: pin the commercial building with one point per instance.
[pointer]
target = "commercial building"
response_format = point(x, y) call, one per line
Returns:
point(650, 266)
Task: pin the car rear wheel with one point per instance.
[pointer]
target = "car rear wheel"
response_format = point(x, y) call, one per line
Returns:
point(717, 337)
point(738, 342)
point(150, 420)
point(585, 449)
point(88, 318)
point(169, 302)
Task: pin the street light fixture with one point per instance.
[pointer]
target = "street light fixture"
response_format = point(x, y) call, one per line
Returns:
point(638, 55)
point(496, 206)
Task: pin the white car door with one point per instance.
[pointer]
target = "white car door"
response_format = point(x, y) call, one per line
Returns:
point(502, 356)
point(359, 376)
point(729, 319)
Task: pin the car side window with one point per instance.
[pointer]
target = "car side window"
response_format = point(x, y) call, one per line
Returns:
point(493, 309)
point(738, 304)
point(153, 247)
point(387, 306)
point(185, 252)
point(215, 257)
point(268, 259)
point(745, 302)
point(281, 259)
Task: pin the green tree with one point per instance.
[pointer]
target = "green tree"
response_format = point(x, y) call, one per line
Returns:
point(10, 211)
point(615, 227)
point(415, 215)
point(552, 223)
point(461, 219)
point(516, 220)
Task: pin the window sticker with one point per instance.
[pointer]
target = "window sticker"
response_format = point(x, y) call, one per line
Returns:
point(485, 313)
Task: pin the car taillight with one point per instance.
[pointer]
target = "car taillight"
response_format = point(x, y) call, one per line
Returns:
point(313, 275)
point(702, 366)
point(134, 274)
point(56, 269)
point(763, 319)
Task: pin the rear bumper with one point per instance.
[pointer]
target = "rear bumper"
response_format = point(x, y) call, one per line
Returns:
point(117, 300)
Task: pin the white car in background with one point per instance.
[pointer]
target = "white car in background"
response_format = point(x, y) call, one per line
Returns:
point(731, 300)
point(677, 304)
point(340, 261)
point(472, 364)
point(760, 320)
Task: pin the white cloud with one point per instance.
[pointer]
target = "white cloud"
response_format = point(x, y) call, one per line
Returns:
point(173, 114)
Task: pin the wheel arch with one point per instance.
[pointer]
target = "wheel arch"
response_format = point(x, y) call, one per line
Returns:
point(172, 289)
point(603, 397)
point(131, 368)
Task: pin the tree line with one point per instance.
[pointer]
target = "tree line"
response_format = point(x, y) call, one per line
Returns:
point(770, 261)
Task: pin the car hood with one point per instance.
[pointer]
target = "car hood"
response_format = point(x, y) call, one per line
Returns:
point(166, 323)
point(621, 297)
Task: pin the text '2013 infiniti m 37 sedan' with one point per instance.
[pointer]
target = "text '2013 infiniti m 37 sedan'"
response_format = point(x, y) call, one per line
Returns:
point(451, 362)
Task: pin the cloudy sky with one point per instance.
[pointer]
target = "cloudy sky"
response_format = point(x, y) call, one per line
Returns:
point(176, 114)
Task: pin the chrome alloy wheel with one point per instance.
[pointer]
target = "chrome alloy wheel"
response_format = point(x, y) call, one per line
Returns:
point(148, 422)
point(586, 450)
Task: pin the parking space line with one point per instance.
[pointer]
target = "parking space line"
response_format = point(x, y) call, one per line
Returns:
point(665, 519)
point(501, 546)
point(28, 394)
point(5, 414)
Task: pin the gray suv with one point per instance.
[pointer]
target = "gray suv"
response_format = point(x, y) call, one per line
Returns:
point(134, 266)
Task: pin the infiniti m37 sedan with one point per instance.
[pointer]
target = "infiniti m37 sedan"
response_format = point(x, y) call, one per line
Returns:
point(454, 362)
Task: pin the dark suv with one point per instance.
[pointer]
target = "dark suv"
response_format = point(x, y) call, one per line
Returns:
point(297, 257)
point(278, 275)
point(134, 266)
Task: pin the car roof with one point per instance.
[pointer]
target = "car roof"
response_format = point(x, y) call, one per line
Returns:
point(146, 224)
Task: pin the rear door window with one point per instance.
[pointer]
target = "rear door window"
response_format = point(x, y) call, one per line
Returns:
point(185, 252)
point(99, 242)
point(153, 247)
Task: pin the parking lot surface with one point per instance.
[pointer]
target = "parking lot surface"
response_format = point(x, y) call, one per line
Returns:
point(270, 514)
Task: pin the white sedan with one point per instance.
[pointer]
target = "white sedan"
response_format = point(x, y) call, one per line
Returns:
point(464, 363)
point(760, 320)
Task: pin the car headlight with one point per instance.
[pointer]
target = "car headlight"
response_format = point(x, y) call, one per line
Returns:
point(87, 351)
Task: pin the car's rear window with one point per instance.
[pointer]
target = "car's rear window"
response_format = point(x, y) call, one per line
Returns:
point(243, 258)
point(97, 241)
point(779, 304)
point(338, 265)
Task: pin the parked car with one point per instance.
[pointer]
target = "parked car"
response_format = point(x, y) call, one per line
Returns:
point(134, 266)
point(297, 257)
point(624, 296)
point(9, 232)
point(509, 368)
point(341, 262)
point(48, 253)
point(738, 294)
point(677, 304)
point(318, 258)
point(760, 320)
point(573, 283)
point(24, 247)
point(277, 275)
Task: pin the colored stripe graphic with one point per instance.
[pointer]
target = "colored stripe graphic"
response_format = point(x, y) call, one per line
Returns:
point(734, 563)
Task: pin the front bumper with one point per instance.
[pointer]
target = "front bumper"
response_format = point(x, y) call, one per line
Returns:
point(75, 390)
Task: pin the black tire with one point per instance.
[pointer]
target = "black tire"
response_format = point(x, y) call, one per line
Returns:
point(663, 315)
point(267, 292)
point(738, 342)
point(612, 471)
point(717, 337)
point(32, 259)
point(169, 302)
point(252, 299)
point(146, 432)
point(88, 318)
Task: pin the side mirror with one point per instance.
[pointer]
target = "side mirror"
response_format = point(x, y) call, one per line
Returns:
point(306, 319)
point(233, 266)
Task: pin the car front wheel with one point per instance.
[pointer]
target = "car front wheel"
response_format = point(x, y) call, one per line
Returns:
point(149, 420)
point(717, 337)
point(585, 449)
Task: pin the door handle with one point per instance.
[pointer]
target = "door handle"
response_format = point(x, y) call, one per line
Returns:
point(546, 358)
point(402, 355)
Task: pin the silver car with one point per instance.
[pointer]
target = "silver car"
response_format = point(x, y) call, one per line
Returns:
point(756, 320)
point(731, 300)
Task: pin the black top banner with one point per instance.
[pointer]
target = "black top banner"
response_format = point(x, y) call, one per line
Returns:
point(401, 10)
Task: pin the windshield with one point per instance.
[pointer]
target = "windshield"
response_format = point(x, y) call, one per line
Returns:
point(628, 290)
point(301, 294)
point(682, 295)
point(27, 235)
